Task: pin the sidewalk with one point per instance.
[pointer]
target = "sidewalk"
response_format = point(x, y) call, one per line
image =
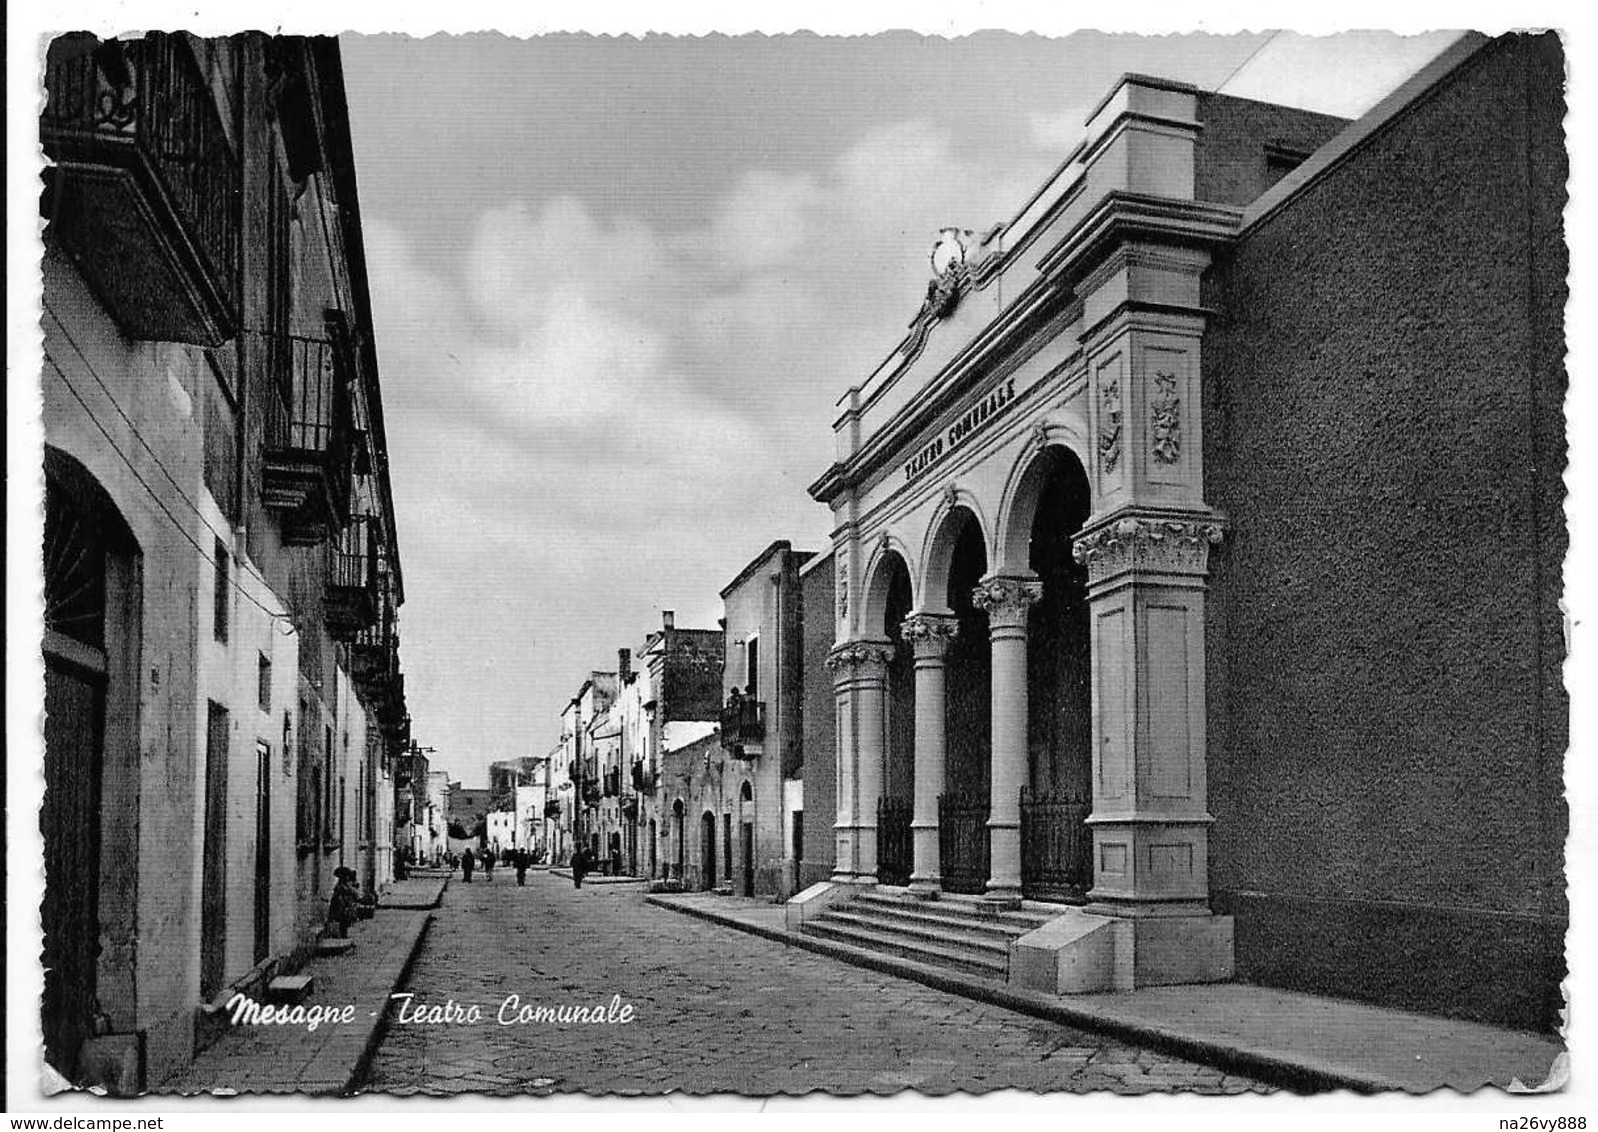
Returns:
point(332, 1058)
point(596, 878)
point(415, 892)
point(1301, 1041)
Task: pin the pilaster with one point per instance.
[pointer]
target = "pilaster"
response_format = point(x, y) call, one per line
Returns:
point(859, 680)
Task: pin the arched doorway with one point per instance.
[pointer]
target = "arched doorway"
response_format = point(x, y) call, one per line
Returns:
point(1056, 845)
point(896, 806)
point(90, 651)
point(707, 846)
point(963, 807)
point(654, 849)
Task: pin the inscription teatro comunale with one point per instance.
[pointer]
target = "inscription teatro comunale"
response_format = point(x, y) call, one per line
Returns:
point(968, 424)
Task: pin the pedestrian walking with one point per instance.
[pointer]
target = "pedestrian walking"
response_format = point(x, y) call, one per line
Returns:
point(579, 867)
point(341, 907)
point(467, 864)
point(521, 867)
point(488, 864)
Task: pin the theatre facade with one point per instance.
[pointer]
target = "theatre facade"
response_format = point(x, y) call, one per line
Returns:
point(1133, 533)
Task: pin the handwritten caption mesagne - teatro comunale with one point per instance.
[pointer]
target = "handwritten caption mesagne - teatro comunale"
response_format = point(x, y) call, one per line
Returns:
point(407, 1011)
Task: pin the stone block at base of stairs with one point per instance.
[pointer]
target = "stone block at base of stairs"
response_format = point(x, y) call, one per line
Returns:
point(289, 989)
point(815, 900)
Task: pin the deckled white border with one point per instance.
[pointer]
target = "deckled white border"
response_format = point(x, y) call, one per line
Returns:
point(28, 25)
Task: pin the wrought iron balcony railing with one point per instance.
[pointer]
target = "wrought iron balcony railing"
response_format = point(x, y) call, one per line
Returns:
point(144, 188)
point(351, 602)
point(743, 723)
point(306, 464)
point(374, 655)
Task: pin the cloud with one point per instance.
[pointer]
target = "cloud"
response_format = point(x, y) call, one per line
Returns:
point(591, 419)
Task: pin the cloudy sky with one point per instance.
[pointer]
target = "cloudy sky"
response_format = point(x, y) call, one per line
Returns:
point(619, 285)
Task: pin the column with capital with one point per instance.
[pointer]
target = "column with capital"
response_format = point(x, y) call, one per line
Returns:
point(1007, 601)
point(859, 681)
point(929, 635)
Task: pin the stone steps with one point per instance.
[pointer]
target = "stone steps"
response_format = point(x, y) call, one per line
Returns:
point(959, 933)
point(953, 909)
point(948, 953)
point(980, 938)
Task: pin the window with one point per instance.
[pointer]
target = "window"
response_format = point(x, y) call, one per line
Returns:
point(752, 668)
point(221, 435)
point(220, 610)
point(263, 681)
point(326, 824)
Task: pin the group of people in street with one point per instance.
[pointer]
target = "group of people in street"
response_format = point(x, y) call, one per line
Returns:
point(519, 859)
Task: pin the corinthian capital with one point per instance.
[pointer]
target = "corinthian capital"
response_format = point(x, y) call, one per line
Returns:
point(929, 634)
point(1155, 543)
point(872, 656)
point(1006, 600)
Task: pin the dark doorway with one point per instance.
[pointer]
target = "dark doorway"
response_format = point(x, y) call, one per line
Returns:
point(263, 850)
point(963, 807)
point(74, 699)
point(1056, 846)
point(746, 807)
point(707, 863)
point(654, 849)
point(726, 847)
point(75, 679)
point(213, 861)
point(682, 836)
point(894, 809)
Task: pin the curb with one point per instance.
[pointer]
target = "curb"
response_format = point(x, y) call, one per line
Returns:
point(1299, 1075)
point(363, 1063)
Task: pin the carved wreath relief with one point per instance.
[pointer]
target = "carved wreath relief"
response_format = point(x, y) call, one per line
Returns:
point(1166, 422)
point(1110, 424)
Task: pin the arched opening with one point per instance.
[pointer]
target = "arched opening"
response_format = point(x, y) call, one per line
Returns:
point(1056, 847)
point(91, 655)
point(963, 806)
point(707, 854)
point(898, 783)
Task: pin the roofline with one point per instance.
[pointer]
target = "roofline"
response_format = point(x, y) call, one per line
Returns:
point(777, 547)
point(1361, 130)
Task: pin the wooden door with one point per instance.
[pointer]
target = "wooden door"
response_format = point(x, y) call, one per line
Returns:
point(74, 704)
point(263, 850)
point(213, 864)
point(749, 858)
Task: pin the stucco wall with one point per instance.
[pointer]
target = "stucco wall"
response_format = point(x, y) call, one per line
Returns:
point(820, 767)
point(1384, 430)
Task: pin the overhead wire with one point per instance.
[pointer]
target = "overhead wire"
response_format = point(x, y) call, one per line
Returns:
point(178, 525)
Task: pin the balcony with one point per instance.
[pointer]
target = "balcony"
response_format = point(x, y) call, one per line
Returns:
point(613, 782)
point(351, 602)
point(145, 187)
point(306, 465)
point(552, 808)
point(743, 723)
point(643, 779)
point(374, 656)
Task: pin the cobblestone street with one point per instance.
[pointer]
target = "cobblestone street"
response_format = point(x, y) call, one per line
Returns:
point(717, 1011)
